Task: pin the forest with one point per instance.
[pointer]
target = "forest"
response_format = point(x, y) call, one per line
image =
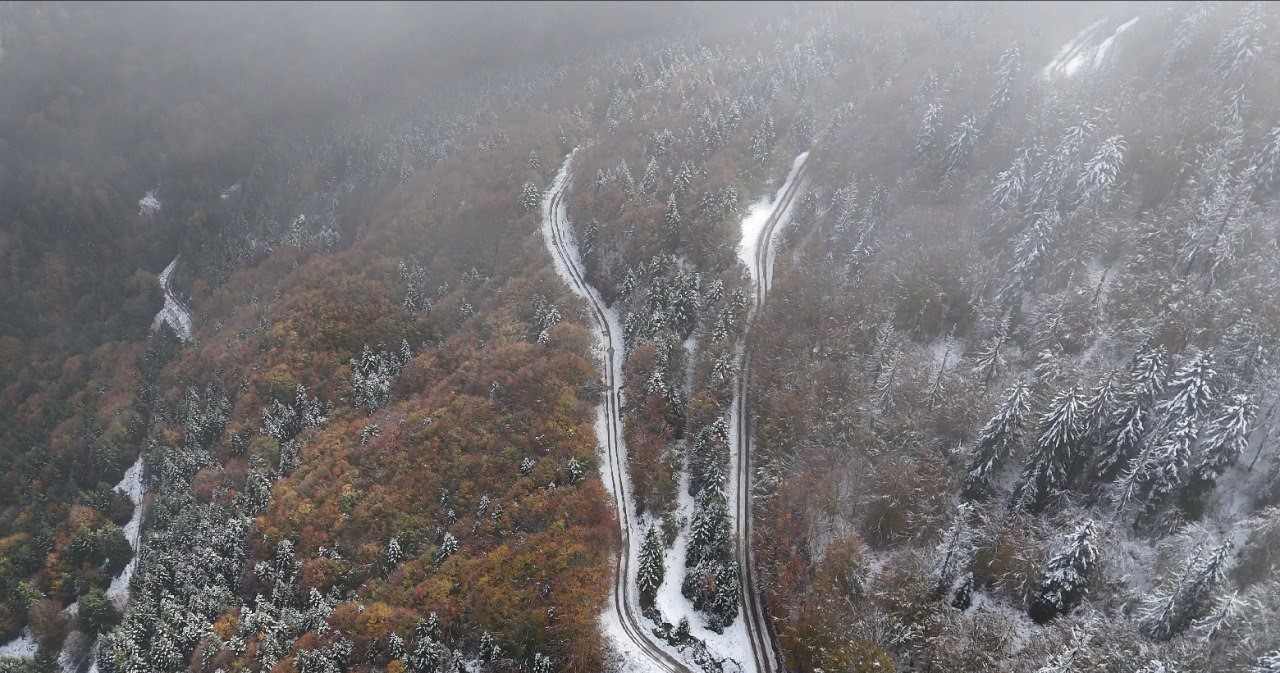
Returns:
point(639, 336)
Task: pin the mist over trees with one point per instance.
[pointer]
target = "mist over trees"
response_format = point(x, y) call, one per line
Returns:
point(1014, 392)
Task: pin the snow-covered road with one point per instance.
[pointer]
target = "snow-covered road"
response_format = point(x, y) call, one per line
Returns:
point(758, 230)
point(174, 313)
point(622, 620)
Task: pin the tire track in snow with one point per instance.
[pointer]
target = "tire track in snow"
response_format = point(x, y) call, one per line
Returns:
point(760, 630)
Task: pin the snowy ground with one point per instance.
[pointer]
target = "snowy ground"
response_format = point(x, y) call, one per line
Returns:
point(754, 223)
point(149, 205)
point(130, 485)
point(174, 313)
point(1087, 51)
point(23, 647)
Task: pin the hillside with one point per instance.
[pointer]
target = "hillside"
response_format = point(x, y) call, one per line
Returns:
point(675, 337)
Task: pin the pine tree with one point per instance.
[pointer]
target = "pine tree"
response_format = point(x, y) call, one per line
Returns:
point(1007, 69)
point(1065, 576)
point(1266, 164)
point(996, 440)
point(1056, 458)
point(927, 136)
point(1225, 439)
point(649, 180)
point(1172, 609)
point(1011, 183)
point(1243, 44)
point(672, 221)
point(652, 568)
point(1030, 253)
point(953, 554)
point(1191, 389)
point(529, 197)
point(1100, 174)
point(960, 146)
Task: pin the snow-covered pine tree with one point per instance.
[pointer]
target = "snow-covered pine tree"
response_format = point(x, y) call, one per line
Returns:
point(1191, 388)
point(960, 146)
point(652, 568)
point(1056, 458)
point(1266, 175)
point(672, 221)
point(996, 440)
point(953, 554)
point(927, 136)
point(1099, 176)
point(529, 197)
point(1100, 406)
point(1011, 183)
point(1172, 609)
point(1244, 41)
point(1007, 68)
point(1065, 576)
point(649, 180)
point(1030, 253)
point(1224, 440)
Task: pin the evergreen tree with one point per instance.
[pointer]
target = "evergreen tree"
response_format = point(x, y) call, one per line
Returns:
point(652, 568)
point(1030, 252)
point(1057, 457)
point(1172, 609)
point(672, 221)
point(1225, 439)
point(1011, 183)
point(1125, 428)
point(953, 554)
point(529, 197)
point(1007, 69)
point(927, 136)
point(1100, 174)
point(1160, 469)
point(1065, 576)
point(960, 146)
point(996, 440)
point(1266, 164)
point(1243, 43)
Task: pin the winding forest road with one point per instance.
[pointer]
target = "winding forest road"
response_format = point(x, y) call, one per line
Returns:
point(763, 651)
point(559, 238)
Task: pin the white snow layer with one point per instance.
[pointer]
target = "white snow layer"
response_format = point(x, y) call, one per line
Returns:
point(130, 485)
point(757, 219)
point(174, 312)
point(22, 647)
point(149, 205)
point(1086, 51)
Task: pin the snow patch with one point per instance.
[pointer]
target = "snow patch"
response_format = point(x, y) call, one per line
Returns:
point(1087, 51)
point(131, 486)
point(229, 191)
point(757, 218)
point(149, 205)
point(22, 647)
point(174, 313)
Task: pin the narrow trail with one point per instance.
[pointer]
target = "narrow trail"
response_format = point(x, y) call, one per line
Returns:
point(763, 650)
point(559, 238)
